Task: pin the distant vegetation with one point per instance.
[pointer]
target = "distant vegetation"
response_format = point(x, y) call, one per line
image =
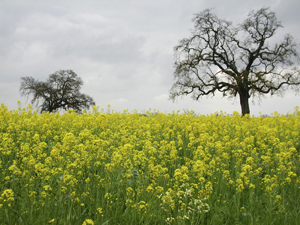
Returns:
point(60, 91)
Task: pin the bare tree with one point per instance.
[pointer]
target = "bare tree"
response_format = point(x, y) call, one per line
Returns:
point(60, 91)
point(235, 60)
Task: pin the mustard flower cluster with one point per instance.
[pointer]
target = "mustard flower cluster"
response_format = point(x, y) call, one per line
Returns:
point(151, 168)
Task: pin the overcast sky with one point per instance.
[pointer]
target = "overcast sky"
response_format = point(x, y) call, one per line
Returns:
point(122, 49)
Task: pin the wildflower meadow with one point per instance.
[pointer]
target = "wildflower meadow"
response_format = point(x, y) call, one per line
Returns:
point(106, 167)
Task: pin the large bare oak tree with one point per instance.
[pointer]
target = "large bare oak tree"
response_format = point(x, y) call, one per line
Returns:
point(235, 60)
point(60, 91)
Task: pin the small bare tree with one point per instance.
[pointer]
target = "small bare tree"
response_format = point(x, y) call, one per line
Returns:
point(235, 60)
point(60, 91)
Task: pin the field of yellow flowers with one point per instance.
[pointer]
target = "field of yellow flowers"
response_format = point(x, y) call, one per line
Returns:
point(156, 168)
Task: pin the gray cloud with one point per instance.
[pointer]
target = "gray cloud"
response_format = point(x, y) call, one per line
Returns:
point(123, 50)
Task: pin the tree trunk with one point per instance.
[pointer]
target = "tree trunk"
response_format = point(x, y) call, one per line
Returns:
point(244, 101)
